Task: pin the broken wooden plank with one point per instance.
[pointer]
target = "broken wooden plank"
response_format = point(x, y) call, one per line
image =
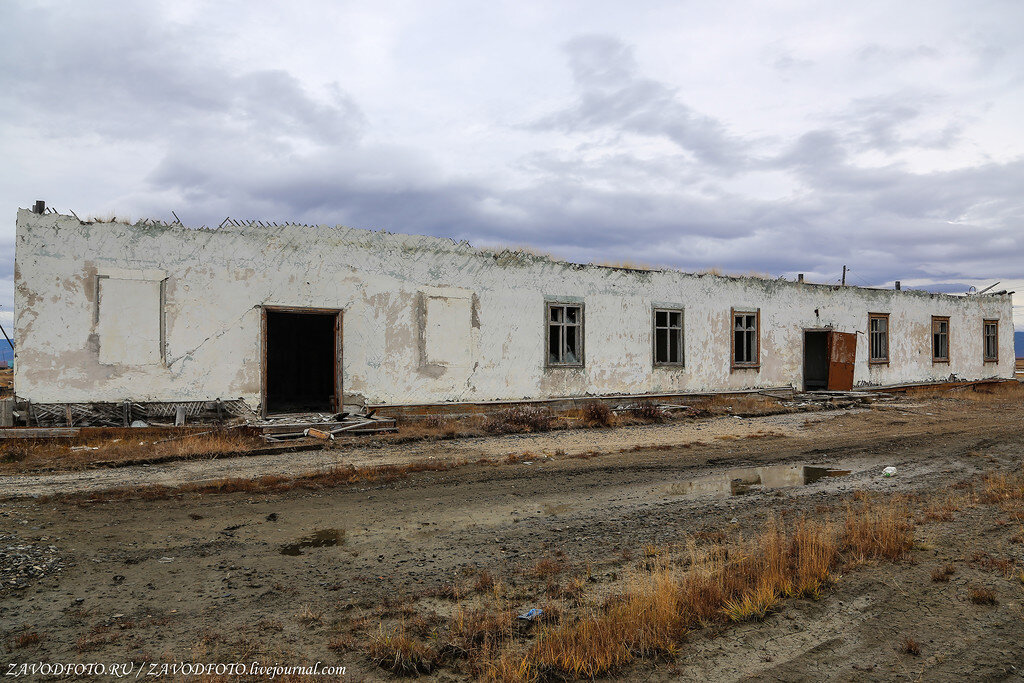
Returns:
point(39, 432)
point(350, 427)
point(373, 430)
point(183, 436)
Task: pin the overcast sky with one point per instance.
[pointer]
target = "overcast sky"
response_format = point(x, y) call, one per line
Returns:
point(782, 137)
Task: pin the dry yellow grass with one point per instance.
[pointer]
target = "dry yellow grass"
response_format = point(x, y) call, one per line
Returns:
point(272, 483)
point(989, 393)
point(397, 652)
point(99, 445)
point(687, 587)
point(875, 531)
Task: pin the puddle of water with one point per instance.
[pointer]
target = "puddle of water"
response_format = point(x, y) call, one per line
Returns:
point(318, 539)
point(741, 480)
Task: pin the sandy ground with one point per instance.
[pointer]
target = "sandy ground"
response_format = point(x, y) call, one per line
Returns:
point(203, 577)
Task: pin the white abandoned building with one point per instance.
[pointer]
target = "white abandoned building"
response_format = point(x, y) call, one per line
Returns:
point(288, 317)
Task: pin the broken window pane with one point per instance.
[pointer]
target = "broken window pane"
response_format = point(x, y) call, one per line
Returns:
point(565, 334)
point(571, 351)
point(991, 340)
point(661, 345)
point(668, 337)
point(879, 338)
point(745, 339)
point(940, 339)
point(554, 342)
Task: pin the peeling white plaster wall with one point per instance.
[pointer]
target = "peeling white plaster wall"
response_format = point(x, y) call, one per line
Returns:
point(399, 293)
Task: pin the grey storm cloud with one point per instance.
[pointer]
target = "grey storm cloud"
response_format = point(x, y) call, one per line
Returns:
point(75, 73)
point(612, 95)
point(264, 143)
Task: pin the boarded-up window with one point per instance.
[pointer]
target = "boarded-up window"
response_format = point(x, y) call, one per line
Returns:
point(991, 341)
point(940, 339)
point(446, 330)
point(878, 333)
point(668, 336)
point(129, 321)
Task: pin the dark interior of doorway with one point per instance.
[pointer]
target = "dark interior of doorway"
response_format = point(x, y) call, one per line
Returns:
point(815, 361)
point(301, 358)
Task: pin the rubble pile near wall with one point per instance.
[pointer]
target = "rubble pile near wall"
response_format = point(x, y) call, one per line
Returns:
point(324, 427)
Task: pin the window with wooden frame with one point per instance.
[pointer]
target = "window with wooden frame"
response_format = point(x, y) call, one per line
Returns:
point(564, 335)
point(878, 338)
point(746, 347)
point(991, 339)
point(940, 339)
point(668, 336)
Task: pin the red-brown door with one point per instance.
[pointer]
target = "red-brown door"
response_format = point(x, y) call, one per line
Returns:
point(842, 352)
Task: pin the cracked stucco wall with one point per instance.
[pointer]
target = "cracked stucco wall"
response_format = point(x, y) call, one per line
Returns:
point(399, 293)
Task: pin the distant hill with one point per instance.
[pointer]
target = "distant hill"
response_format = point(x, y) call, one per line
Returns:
point(1018, 343)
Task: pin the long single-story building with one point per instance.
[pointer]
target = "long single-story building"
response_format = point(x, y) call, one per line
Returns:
point(302, 317)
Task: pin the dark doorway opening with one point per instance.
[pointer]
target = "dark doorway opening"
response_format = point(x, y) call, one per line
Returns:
point(815, 361)
point(301, 352)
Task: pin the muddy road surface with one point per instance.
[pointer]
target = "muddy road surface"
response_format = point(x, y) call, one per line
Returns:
point(308, 576)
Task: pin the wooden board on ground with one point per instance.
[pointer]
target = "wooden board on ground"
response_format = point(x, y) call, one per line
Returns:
point(39, 433)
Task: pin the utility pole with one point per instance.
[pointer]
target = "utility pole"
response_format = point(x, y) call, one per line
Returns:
point(844, 276)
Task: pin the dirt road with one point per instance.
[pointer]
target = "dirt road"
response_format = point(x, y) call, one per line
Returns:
point(568, 442)
point(204, 578)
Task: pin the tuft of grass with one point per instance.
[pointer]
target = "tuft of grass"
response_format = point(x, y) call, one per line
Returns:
point(396, 652)
point(342, 643)
point(547, 568)
point(980, 595)
point(909, 646)
point(878, 531)
point(518, 419)
point(310, 615)
point(96, 639)
point(598, 414)
point(509, 667)
point(472, 628)
point(647, 411)
point(1003, 565)
point(752, 605)
point(484, 582)
point(26, 639)
point(942, 574)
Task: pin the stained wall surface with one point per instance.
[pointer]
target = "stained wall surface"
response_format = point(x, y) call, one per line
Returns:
point(111, 311)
